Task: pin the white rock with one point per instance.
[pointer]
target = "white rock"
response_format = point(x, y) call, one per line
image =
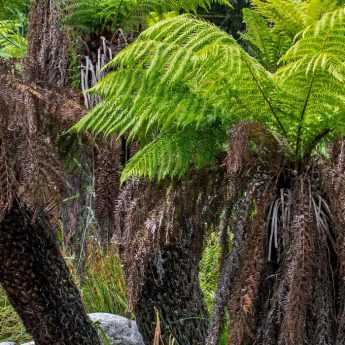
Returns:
point(7, 343)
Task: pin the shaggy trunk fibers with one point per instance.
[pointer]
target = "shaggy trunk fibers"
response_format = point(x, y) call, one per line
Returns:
point(287, 287)
point(38, 283)
point(160, 232)
point(171, 288)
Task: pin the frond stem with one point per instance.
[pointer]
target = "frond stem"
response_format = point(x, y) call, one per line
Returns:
point(280, 124)
point(301, 121)
point(316, 141)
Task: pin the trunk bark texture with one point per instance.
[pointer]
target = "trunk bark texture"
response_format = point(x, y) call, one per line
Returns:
point(171, 289)
point(47, 59)
point(160, 231)
point(38, 283)
point(33, 112)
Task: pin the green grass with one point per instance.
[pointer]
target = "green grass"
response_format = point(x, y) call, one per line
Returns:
point(104, 289)
point(11, 327)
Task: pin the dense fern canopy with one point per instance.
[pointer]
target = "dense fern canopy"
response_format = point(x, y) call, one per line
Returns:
point(88, 15)
point(184, 83)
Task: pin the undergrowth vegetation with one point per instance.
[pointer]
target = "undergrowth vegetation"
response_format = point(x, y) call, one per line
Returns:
point(11, 328)
point(104, 289)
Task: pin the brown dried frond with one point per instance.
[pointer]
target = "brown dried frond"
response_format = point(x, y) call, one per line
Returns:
point(7, 172)
point(47, 58)
point(238, 215)
point(244, 165)
point(252, 264)
point(38, 172)
point(333, 183)
point(300, 265)
point(107, 163)
point(322, 315)
point(41, 179)
point(241, 156)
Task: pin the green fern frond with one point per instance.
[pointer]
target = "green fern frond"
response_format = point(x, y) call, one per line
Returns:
point(13, 26)
point(173, 154)
point(268, 44)
point(285, 15)
point(290, 17)
point(188, 72)
point(321, 47)
point(312, 78)
point(10, 10)
point(12, 42)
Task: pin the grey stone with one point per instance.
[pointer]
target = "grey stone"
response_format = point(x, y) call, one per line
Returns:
point(121, 331)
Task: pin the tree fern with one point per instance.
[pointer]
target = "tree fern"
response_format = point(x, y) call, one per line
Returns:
point(186, 73)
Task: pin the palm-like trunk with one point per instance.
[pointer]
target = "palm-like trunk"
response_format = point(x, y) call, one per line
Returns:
point(171, 290)
point(160, 231)
point(32, 269)
point(283, 280)
point(38, 282)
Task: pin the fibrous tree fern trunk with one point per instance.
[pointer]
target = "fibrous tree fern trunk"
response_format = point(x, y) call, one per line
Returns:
point(171, 289)
point(282, 286)
point(282, 279)
point(33, 110)
point(38, 283)
point(160, 231)
point(47, 58)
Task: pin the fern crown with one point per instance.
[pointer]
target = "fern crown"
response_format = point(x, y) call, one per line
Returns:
point(184, 83)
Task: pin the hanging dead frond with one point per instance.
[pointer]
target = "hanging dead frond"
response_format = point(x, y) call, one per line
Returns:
point(160, 230)
point(251, 145)
point(229, 264)
point(47, 57)
point(333, 182)
point(244, 176)
point(107, 163)
point(242, 306)
point(300, 265)
point(28, 118)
